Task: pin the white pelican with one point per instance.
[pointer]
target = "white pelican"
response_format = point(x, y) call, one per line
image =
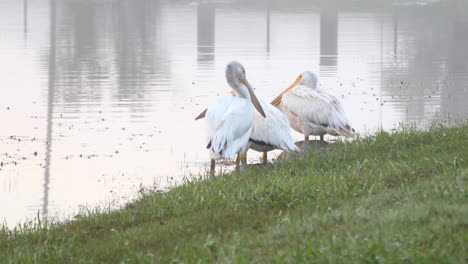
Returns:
point(229, 121)
point(311, 110)
point(270, 133)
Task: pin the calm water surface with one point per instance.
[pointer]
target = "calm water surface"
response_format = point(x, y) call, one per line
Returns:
point(98, 98)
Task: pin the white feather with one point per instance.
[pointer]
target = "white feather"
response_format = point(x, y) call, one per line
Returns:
point(274, 130)
point(314, 112)
point(229, 127)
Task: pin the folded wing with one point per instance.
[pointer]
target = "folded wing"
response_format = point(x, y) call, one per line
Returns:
point(229, 127)
point(318, 108)
point(274, 130)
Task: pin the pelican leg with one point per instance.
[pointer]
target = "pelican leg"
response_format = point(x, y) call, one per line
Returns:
point(212, 166)
point(237, 161)
point(265, 157)
point(321, 137)
point(243, 159)
point(306, 138)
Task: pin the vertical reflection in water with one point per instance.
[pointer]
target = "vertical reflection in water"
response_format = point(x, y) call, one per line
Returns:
point(422, 69)
point(395, 34)
point(136, 46)
point(381, 71)
point(25, 16)
point(328, 36)
point(80, 59)
point(25, 19)
point(50, 104)
point(206, 31)
point(268, 30)
point(459, 44)
point(455, 96)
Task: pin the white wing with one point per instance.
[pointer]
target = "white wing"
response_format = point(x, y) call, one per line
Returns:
point(229, 127)
point(214, 115)
point(273, 131)
point(318, 108)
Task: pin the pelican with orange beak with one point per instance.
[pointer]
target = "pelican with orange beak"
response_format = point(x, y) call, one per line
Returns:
point(270, 133)
point(311, 110)
point(229, 121)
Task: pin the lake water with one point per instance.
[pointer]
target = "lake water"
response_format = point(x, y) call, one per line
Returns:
point(98, 98)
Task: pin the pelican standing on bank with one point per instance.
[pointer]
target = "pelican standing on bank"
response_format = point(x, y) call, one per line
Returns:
point(229, 121)
point(311, 110)
point(270, 133)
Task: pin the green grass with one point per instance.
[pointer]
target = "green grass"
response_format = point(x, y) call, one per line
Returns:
point(389, 198)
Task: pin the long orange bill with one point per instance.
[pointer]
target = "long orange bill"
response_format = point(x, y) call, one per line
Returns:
point(277, 100)
point(202, 114)
point(254, 99)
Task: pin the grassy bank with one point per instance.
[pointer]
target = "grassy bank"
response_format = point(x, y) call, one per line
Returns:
point(390, 198)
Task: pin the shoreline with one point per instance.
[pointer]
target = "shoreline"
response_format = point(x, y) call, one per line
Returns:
point(390, 197)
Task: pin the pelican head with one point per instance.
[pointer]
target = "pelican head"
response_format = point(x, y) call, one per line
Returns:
point(307, 78)
point(235, 75)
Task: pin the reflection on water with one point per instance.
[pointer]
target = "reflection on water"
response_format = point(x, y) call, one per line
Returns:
point(50, 105)
point(205, 32)
point(98, 97)
point(328, 36)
